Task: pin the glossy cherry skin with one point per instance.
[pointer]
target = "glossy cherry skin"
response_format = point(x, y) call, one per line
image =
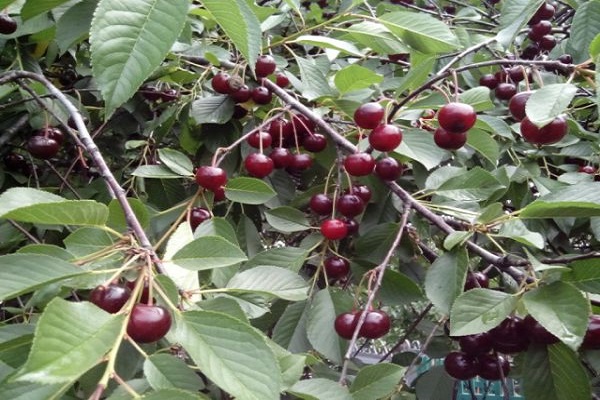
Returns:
point(510, 336)
point(265, 66)
point(492, 367)
point(242, 95)
point(505, 91)
point(220, 83)
point(302, 125)
point(8, 24)
point(537, 31)
point(334, 229)
point(516, 105)
point(110, 298)
point(548, 134)
point(476, 279)
point(385, 137)
point(300, 162)
point(591, 340)
point(145, 295)
point(336, 267)
point(219, 193)
point(352, 225)
point(345, 324)
point(537, 333)
point(197, 216)
point(449, 141)
point(314, 143)
point(588, 169)
point(489, 81)
point(148, 323)
point(42, 147)
point(52, 133)
point(321, 204)
point(169, 95)
point(359, 164)
point(460, 365)
point(369, 115)
point(457, 117)
point(260, 137)
point(479, 343)
point(282, 158)
point(261, 95)
point(388, 169)
point(547, 42)
point(282, 80)
point(210, 177)
point(361, 191)
point(377, 324)
point(258, 165)
point(350, 205)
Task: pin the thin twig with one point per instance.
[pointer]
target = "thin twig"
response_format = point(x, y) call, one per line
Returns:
point(408, 332)
point(12, 130)
point(24, 231)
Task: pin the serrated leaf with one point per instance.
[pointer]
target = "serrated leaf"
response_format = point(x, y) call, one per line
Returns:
point(275, 281)
point(291, 258)
point(376, 37)
point(33, 7)
point(398, 289)
point(208, 252)
point(155, 171)
point(290, 329)
point(516, 230)
point(230, 353)
point(435, 383)
point(176, 161)
point(456, 238)
point(418, 145)
point(479, 310)
point(23, 273)
point(70, 338)
point(355, 77)
point(74, 25)
point(478, 97)
point(585, 25)
point(547, 103)
point(128, 41)
point(445, 279)
point(31, 391)
point(314, 82)
point(164, 371)
point(476, 184)
point(484, 144)
point(240, 24)
point(421, 31)
point(376, 381)
point(287, 219)
point(320, 388)
point(585, 274)
point(173, 394)
point(561, 309)
point(595, 46)
point(216, 109)
point(249, 191)
point(217, 226)
point(329, 43)
point(579, 200)
point(513, 16)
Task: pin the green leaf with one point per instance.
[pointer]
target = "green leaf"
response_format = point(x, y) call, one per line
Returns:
point(33, 7)
point(176, 161)
point(329, 43)
point(314, 81)
point(418, 145)
point(290, 330)
point(584, 274)
point(291, 258)
point(476, 184)
point(375, 244)
point(417, 74)
point(479, 98)
point(445, 279)
point(240, 24)
point(320, 388)
point(355, 77)
point(513, 16)
point(74, 25)
point(595, 46)
point(87, 240)
point(585, 25)
point(217, 226)
point(155, 171)
point(208, 252)
point(484, 144)
point(579, 200)
point(249, 191)
point(70, 338)
point(398, 289)
point(276, 281)
point(216, 109)
point(561, 309)
point(129, 40)
point(547, 103)
point(116, 215)
point(48, 250)
point(554, 373)
point(456, 238)
point(174, 394)
point(230, 353)
point(287, 219)
point(376, 37)
point(31, 391)
point(376, 381)
point(516, 230)
point(39, 207)
point(421, 31)
point(164, 371)
point(479, 310)
point(23, 273)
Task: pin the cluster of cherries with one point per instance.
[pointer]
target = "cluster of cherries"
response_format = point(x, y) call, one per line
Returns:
point(540, 32)
point(454, 120)
point(45, 143)
point(148, 322)
point(377, 324)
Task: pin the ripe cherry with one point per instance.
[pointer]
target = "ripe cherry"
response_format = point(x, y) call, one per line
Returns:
point(361, 191)
point(510, 336)
point(516, 105)
point(350, 205)
point(449, 141)
point(265, 66)
point(352, 225)
point(300, 162)
point(314, 143)
point(388, 169)
point(321, 204)
point(516, 73)
point(457, 117)
point(479, 343)
point(336, 267)
point(460, 365)
point(42, 147)
point(489, 81)
point(219, 194)
point(591, 340)
point(377, 324)
point(168, 95)
point(537, 31)
point(369, 115)
point(545, 12)
point(359, 164)
point(548, 134)
point(258, 165)
point(8, 24)
point(197, 216)
point(334, 229)
point(52, 133)
point(588, 169)
point(476, 279)
point(148, 323)
point(537, 333)
point(260, 137)
point(14, 162)
point(492, 367)
point(531, 51)
point(261, 95)
point(242, 95)
point(110, 298)
point(239, 112)
point(281, 130)
point(547, 42)
point(220, 83)
point(282, 158)
point(145, 294)
point(210, 177)
point(345, 324)
point(282, 80)
point(302, 125)
point(505, 91)
point(385, 137)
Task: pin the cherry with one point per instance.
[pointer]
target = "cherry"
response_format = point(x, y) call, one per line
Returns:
point(145, 296)
point(352, 225)
point(219, 193)
point(516, 73)
point(460, 365)
point(334, 229)
point(476, 279)
point(361, 191)
point(492, 367)
point(239, 112)
point(265, 66)
point(505, 91)
point(261, 95)
point(300, 162)
point(14, 162)
point(282, 80)
point(385, 137)
point(336, 267)
point(428, 114)
point(211, 178)
point(547, 42)
point(168, 95)
point(321, 204)
point(282, 158)
point(8, 24)
point(388, 169)
point(516, 105)
point(359, 164)
point(501, 76)
point(537, 31)
point(457, 117)
point(148, 323)
point(545, 12)
point(479, 343)
point(377, 324)
point(302, 125)
point(314, 143)
point(52, 133)
point(549, 134)
point(369, 115)
point(350, 205)
point(242, 95)
point(591, 340)
point(258, 165)
point(281, 130)
point(488, 80)
point(220, 83)
point(110, 298)
point(151, 93)
point(257, 137)
point(510, 336)
point(42, 147)
point(531, 51)
point(449, 141)
point(197, 216)
point(588, 169)
point(345, 324)
point(537, 333)
point(565, 59)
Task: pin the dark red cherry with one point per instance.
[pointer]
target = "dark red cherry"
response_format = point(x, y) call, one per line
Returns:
point(350, 205)
point(219, 194)
point(282, 131)
point(52, 133)
point(321, 204)
point(489, 81)
point(476, 279)
point(369, 115)
point(110, 298)
point(359, 164)
point(302, 125)
point(361, 191)
point(210, 177)
point(591, 340)
point(449, 141)
point(385, 137)
point(388, 169)
point(588, 169)
point(510, 336)
point(261, 95)
point(145, 295)
point(259, 138)
point(460, 365)
point(516, 73)
point(537, 333)
point(239, 112)
point(377, 324)
point(336, 267)
point(197, 216)
point(548, 134)
point(479, 343)
point(242, 95)
point(516, 105)
point(457, 117)
point(505, 91)
point(42, 147)
point(537, 31)
point(14, 162)
point(168, 95)
point(334, 229)
point(531, 51)
point(492, 367)
point(265, 66)
point(148, 323)
point(282, 158)
point(282, 80)
point(8, 24)
point(258, 165)
point(314, 143)
point(345, 324)
point(220, 83)
point(300, 162)
point(352, 225)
